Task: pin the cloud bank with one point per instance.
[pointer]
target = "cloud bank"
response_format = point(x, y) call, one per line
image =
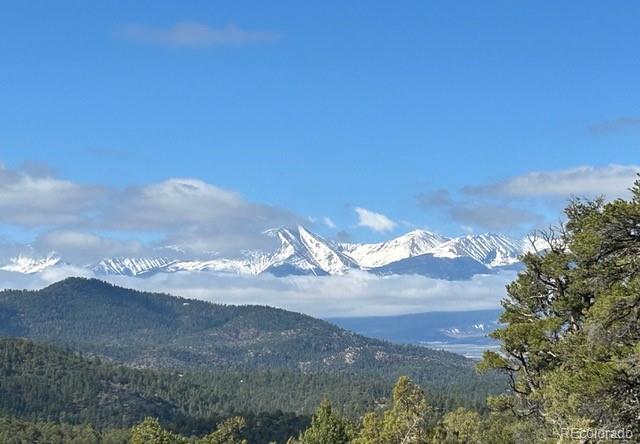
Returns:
point(611, 181)
point(180, 217)
point(353, 294)
point(87, 222)
point(526, 201)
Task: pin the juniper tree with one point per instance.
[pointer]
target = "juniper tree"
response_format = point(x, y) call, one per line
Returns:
point(570, 340)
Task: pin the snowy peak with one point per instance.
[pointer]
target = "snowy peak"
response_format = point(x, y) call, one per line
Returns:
point(29, 265)
point(302, 252)
point(414, 243)
point(130, 266)
point(492, 250)
point(252, 263)
point(309, 253)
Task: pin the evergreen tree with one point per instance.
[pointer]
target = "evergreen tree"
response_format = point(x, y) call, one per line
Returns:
point(149, 431)
point(229, 432)
point(572, 324)
point(370, 431)
point(327, 427)
point(407, 420)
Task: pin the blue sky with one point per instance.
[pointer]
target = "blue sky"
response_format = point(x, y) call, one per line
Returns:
point(444, 115)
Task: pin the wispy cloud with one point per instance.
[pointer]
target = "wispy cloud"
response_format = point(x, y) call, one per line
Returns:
point(523, 202)
point(328, 222)
point(611, 181)
point(619, 124)
point(193, 34)
point(324, 220)
point(374, 221)
point(493, 216)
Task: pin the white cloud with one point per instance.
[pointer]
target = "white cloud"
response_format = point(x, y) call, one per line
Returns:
point(189, 213)
point(175, 202)
point(86, 247)
point(611, 181)
point(353, 294)
point(31, 199)
point(374, 221)
point(328, 222)
point(197, 215)
point(192, 34)
point(12, 280)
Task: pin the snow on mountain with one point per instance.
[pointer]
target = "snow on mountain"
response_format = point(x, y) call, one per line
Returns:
point(130, 266)
point(302, 252)
point(306, 253)
point(474, 331)
point(29, 265)
point(414, 243)
point(492, 250)
point(222, 265)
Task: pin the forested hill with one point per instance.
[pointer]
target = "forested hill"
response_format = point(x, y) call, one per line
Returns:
point(161, 331)
point(46, 383)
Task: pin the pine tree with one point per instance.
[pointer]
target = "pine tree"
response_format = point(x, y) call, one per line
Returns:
point(407, 420)
point(149, 431)
point(571, 340)
point(370, 431)
point(327, 427)
point(229, 432)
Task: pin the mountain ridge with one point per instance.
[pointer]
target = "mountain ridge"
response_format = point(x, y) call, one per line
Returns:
point(160, 331)
point(302, 252)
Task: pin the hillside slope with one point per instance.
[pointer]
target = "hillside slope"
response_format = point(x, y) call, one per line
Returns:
point(161, 331)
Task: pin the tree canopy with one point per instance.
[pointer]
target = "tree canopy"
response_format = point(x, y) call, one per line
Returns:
point(570, 339)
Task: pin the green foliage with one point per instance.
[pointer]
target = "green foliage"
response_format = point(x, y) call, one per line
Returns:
point(45, 383)
point(15, 431)
point(370, 430)
point(572, 325)
point(461, 426)
point(407, 420)
point(327, 427)
point(150, 432)
point(147, 330)
point(229, 432)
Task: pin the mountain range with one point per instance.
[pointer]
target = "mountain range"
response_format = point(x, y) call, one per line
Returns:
point(302, 252)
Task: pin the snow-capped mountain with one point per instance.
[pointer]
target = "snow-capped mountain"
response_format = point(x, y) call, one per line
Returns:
point(302, 252)
point(130, 266)
point(492, 250)
point(414, 243)
point(28, 265)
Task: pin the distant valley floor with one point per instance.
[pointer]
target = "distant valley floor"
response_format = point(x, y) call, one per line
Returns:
point(462, 332)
